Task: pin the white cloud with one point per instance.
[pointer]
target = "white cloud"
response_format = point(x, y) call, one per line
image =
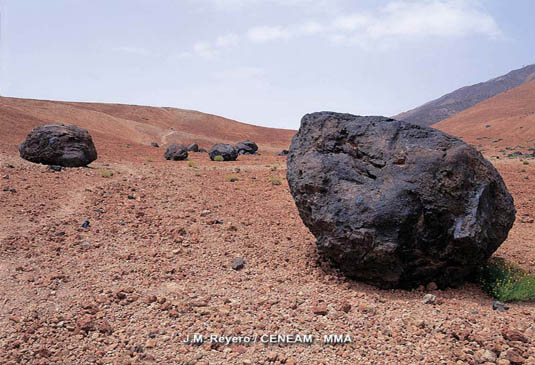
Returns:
point(310, 28)
point(227, 40)
point(380, 28)
point(204, 49)
point(265, 34)
point(268, 33)
point(352, 22)
point(451, 18)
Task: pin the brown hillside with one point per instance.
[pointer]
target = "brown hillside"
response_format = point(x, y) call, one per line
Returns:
point(466, 97)
point(506, 120)
point(117, 128)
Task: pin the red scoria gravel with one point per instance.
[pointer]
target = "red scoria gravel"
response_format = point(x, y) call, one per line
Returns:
point(155, 265)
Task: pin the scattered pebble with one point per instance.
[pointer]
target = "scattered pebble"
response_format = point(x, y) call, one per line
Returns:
point(237, 263)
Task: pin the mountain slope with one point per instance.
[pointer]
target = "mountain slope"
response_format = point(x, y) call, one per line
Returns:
point(116, 125)
point(463, 98)
point(506, 120)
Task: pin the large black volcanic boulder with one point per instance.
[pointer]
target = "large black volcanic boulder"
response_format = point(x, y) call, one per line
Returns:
point(60, 145)
point(226, 151)
point(176, 152)
point(246, 148)
point(394, 204)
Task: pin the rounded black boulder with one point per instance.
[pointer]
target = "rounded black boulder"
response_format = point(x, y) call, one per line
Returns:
point(194, 147)
point(246, 148)
point(176, 152)
point(226, 151)
point(60, 145)
point(395, 204)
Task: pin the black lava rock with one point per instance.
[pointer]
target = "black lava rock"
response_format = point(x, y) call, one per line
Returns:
point(499, 306)
point(176, 152)
point(283, 153)
point(86, 224)
point(154, 144)
point(237, 263)
point(194, 147)
point(395, 204)
point(226, 151)
point(55, 168)
point(246, 148)
point(58, 144)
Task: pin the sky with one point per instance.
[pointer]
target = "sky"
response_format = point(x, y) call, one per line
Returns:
point(263, 62)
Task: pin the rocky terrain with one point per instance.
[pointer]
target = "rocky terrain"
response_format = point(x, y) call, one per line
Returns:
point(130, 127)
point(463, 98)
point(119, 262)
point(499, 126)
point(154, 264)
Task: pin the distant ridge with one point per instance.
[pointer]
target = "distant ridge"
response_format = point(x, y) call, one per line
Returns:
point(465, 97)
point(116, 125)
point(504, 122)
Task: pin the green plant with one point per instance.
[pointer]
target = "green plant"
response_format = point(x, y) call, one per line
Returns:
point(192, 164)
point(526, 163)
point(232, 178)
point(149, 160)
point(219, 158)
point(507, 282)
point(106, 173)
point(275, 180)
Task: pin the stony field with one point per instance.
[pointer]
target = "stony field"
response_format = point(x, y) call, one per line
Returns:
point(154, 265)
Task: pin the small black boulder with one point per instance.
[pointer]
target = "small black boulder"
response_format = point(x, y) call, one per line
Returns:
point(226, 151)
point(176, 152)
point(246, 148)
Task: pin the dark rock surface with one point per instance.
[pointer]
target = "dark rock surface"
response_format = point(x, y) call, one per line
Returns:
point(194, 147)
point(228, 152)
point(246, 148)
point(395, 204)
point(176, 152)
point(58, 144)
point(283, 153)
point(237, 263)
point(154, 144)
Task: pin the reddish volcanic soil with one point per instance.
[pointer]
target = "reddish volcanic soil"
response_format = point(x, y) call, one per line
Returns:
point(500, 125)
point(155, 263)
point(130, 129)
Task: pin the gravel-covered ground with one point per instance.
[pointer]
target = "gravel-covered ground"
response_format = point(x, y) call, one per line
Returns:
point(155, 265)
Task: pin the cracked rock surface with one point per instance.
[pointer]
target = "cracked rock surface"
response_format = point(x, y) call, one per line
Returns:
point(395, 204)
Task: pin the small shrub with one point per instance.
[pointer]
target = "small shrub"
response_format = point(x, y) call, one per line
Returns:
point(149, 160)
point(192, 164)
point(507, 282)
point(275, 180)
point(219, 158)
point(106, 173)
point(232, 178)
point(526, 163)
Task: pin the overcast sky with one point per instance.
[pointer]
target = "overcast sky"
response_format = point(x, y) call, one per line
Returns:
point(264, 62)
